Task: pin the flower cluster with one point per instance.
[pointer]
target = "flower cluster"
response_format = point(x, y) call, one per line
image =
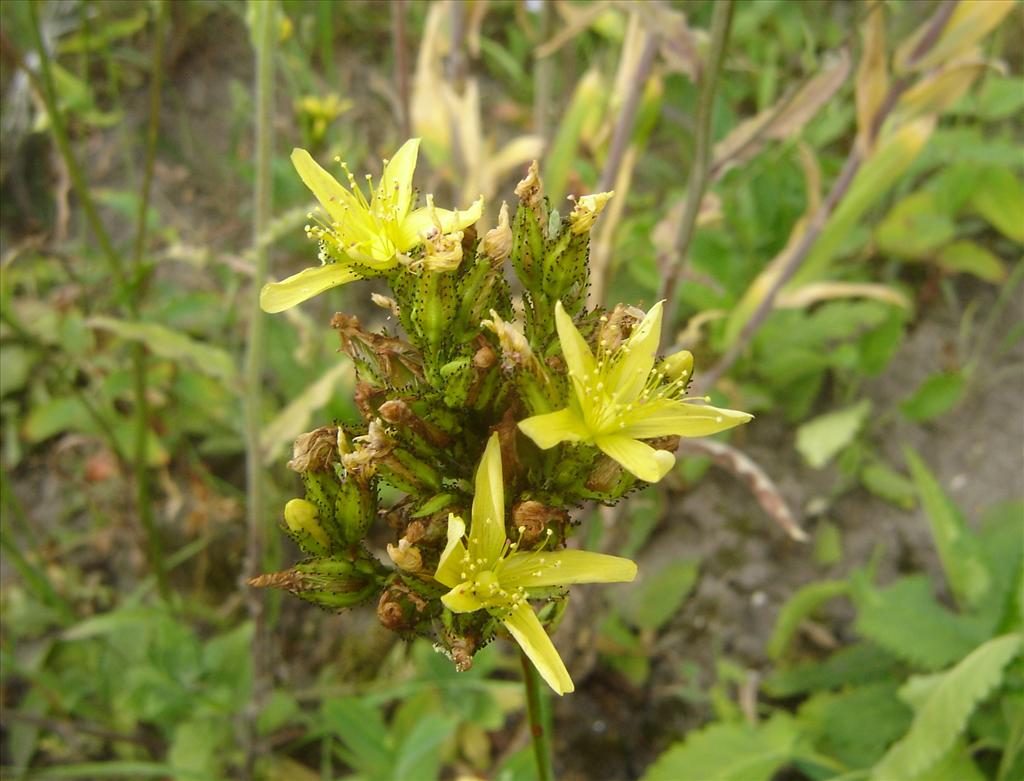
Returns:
point(508, 413)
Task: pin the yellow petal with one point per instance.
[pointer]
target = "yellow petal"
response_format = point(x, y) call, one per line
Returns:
point(526, 629)
point(278, 296)
point(684, 420)
point(638, 458)
point(553, 427)
point(423, 219)
point(461, 599)
point(487, 532)
point(560, 568)
point(339, 203)
point(396, 182)
point(577, 354)
point(450, 564)
point(630, 373)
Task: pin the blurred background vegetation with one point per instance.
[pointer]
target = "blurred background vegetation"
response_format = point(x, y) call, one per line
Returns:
point(872, 631)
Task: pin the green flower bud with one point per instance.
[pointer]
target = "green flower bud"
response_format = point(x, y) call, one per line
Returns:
point(678, 367)
point(303, 520)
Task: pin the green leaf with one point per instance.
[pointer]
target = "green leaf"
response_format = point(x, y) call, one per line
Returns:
point(66, 413)
point(729, 752)
point(936, 395)
point(970, 258)
point(122, 769)
point(657, 597)
point(363, 732)
point(418, 754)
point(172, 345)
point(907, 620)
point(915, 227)
point(943, 715)
point(800, 606)
point(836, 721)
point(1000, 200)
point(958, 546)
point(861, 663)
point(886, 483)
point(820, 439)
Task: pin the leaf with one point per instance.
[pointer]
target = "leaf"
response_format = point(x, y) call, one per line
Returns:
point(657, 597)
point(417, 756)
point(857, 664)
point(888, 484)
point(938, 394)
point(836, 721)
point(970, 258)
point(906, 620)
point(999, 198)
point(66, 413)
point(295, 417)
point(958, 546)
point(118, 769)
point(915, 227)
point(363, 732)
point(172, 345)
point(729, 752)
point(971, 21)
point(820, 439)
point(800, 606)
point(943, 715)
point(892, 156)
point(941, 88)
point(782, 121)
point(815, 292)
point(587, 99)
point(872, 72)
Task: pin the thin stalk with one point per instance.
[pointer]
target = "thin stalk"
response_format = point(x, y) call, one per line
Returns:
point(538, 723)
point(672, 265)
point(821, 215)
point(398, 44)
point(139, 358)
point(264, 40)
point(543, 75)
point(60, 135)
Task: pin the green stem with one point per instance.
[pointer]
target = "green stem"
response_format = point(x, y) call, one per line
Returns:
point(263, 40)
point(139, 358)
point(539, 730)
point(721, 23)
point(64, 146)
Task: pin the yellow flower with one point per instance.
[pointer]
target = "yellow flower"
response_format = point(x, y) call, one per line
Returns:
point(360, 235)
point(491, 574)
point(620, 398)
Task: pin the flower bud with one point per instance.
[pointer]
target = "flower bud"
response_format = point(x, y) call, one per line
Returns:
point(531, 190)
point(302, 516)
point(586, 211)
point(497, 242)
point(513, 344)
point(443, 252)
point(406, 556)
point(315, 451)
point(678, 366)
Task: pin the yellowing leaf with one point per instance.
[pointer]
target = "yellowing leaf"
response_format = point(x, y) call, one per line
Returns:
point(941, 88)
point(872, 73)
point(971, 21)
point(828, 291)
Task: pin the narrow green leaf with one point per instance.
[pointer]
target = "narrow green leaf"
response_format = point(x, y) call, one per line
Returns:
point(800, 606)
point(936, 395)
point(970, 258)
point(172, 345)
point(957, 545)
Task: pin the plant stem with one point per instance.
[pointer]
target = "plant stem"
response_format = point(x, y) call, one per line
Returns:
point(821, 215)
point(398, 44)
point(672, 263)
point(60, 135)
point(123, 284)
point(538, 723)
point(264, 40)
point(139, 357)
